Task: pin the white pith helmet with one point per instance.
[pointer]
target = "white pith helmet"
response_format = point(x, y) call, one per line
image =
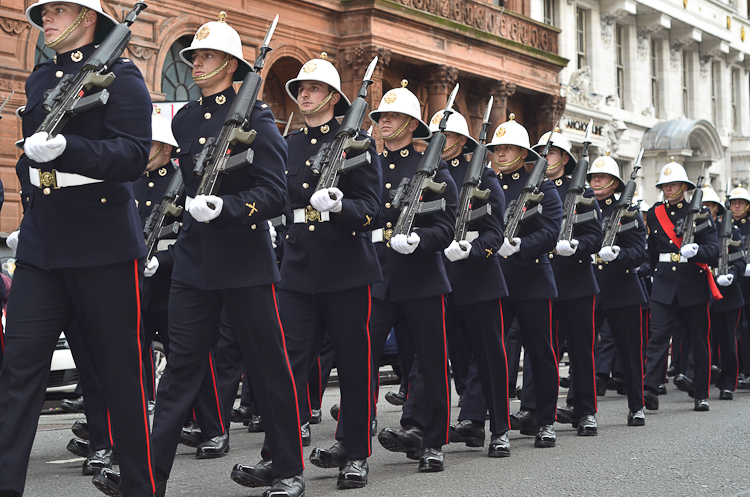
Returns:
point(161, 129)
point(606, 165)
point(559, 141)
point(512, 133)
point(674, 172)
point(709, 195)
point(403, 101)
point(218, 35)
point(105, 23)
point(323, 71)
point(739, 193)
point(456, 124)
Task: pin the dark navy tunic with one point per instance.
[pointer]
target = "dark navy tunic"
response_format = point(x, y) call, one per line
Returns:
point(95, 224)
point(234, 250)
point(149, 189)
point(733, 293)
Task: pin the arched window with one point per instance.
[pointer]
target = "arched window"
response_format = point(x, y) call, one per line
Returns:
point(176, 76)
point(42, 53)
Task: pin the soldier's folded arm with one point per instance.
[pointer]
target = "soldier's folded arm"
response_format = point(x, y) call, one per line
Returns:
point(361, 203)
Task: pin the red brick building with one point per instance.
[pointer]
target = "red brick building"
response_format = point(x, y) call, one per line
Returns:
point(489, 50)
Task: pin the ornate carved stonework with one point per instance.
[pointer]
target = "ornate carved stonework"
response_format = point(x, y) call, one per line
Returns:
point(360, 57)
point(482, 16)
point(13, 26)
point(502, 90)
point(143, 53)
point(579, 89)
point(550, 111)
point(442, 79)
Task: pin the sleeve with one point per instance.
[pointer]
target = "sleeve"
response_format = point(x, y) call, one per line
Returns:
point(22, 171)
point(737, 266)
point(632, 246)
point(589, 234)
point(653, 249)
point(122, 154)
point(490, 227)
point(708, 243)
point(546, 226)
point(361, 203)
point(436, 229)
point(266, 199)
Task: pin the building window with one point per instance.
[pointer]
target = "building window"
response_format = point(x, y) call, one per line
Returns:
point(176, 76)
point(581, 37)
point(619, 56)
point(735, 98)
point(714, 110)
point(654, 79)
point(42, 53)
point(685, 86)
point(549, 12)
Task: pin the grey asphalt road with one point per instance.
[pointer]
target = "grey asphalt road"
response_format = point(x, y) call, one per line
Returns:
point(678, 453)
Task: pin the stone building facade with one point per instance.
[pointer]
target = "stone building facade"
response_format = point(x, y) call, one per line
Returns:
point(668, 76)
point(489, 49)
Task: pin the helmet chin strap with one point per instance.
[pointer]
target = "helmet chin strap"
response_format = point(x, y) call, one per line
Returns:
point(215, 71)
point(510, 163)
point(556, 165)
point(605, 186)
point(682, 189)
point(455, 144)
point(156, 154)
point(398, 131)
point(68, 30)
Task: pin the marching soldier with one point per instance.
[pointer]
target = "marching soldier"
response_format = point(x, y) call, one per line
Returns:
point(212, 268)
point(524, 261)
point(726, 313)
point(473, 308)
point(573, 310)
point(80, 250)
point(739, 205)
point(328, 266)
point(622, 294)
point(680, 289)
point(415, 279)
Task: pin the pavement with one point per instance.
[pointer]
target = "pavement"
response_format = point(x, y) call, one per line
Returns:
point(678, 453)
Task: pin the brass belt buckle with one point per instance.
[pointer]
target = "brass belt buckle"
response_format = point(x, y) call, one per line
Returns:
point(311, 214)
point(387, 234)
point(48, 179)
point(675, 257)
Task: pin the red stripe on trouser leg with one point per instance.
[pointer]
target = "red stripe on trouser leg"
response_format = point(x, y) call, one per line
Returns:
point(640, 355)
point(736, 350)
point(708, 343)
point(593, 343)
point(289, 368)
point(216, 392)
point(505, 354)
point(109, 430)
point(140, 373)
point(445, 368)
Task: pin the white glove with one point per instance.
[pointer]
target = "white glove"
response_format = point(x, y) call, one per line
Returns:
point(689, 250)
point(272, 232)
point(747, 270)
point(457, 251)
point(566, 248)
point(200, 210)
point(12, 240)
point(405, 244)
point(322, 202)
point(507, 249)
point(609, 254)
point(151, 267)
point(41, 150)
point(725, 279)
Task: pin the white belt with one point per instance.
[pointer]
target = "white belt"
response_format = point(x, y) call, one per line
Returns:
point(188, 201)
point(56, 179)
point(471, 236)
point(672, 257)
point(381, 235)
point(309, 214)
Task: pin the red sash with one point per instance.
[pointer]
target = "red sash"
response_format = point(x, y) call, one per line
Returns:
point(668, 226)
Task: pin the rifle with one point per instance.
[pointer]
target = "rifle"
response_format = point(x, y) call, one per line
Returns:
point(408, 196)
point(528, 204)
point(154, 229)
point(214, 160)
point(695, 221)
point(574, 198)
point(725, 242)
point(331, 161)
point(288, 124)
point(66, 99)
point(613, 225)
point(470, 190)
point(6, 103)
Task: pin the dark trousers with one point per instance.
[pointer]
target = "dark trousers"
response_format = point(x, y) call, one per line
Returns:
point(91, 388)
point(105, 301)
point(744, 340)
point(577, 319)
point(482, 325)
point(425, 325)
point(193, 317)
point(723, 330)
point(626, 327)
point(459, 350)
point(535, 325)
point(405, 357)
point(346, 316)
point(229, 369)
point(319, 372)
point(606, 357)
point(697, 322)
